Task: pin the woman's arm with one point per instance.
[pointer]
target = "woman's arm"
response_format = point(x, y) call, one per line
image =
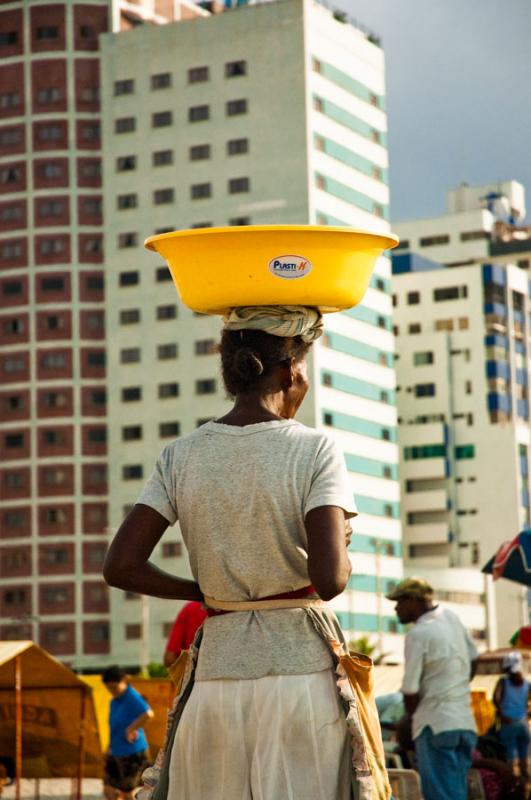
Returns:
point(328, 562)
point(127, 564)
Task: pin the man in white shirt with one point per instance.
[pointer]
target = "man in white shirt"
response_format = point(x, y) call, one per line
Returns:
point(440, 660)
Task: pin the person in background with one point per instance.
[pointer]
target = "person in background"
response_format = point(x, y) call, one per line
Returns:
point(511, 698)
point(188, 620)
point(440, 660)
point(127, 756)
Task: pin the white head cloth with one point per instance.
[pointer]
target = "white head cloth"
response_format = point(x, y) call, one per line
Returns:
point(286, 321)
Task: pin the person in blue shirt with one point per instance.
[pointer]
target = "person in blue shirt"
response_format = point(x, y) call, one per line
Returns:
point(127, 756)
point(511, 698)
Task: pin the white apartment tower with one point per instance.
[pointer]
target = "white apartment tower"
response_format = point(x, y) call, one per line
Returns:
point(265, 114)
point(462, 372)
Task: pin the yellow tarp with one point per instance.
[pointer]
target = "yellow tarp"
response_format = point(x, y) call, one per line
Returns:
point(52, 697)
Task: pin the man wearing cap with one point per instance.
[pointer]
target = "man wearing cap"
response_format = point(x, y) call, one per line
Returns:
point(440, 660)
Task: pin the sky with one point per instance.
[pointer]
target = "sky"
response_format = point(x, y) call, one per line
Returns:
point(458, 76)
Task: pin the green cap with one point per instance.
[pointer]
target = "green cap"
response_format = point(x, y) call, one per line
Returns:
point(411, 587)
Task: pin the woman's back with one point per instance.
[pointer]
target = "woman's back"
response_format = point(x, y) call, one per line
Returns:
point(241, 495)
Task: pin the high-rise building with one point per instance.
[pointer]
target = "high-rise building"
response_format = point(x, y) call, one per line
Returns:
point(271, 113)
point(462, 349)
point(53, 395)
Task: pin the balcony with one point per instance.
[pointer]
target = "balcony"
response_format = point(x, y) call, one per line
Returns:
point(427, 533)
point(424, 468)
point(435, 500)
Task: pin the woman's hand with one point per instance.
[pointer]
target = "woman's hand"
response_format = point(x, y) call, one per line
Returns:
point(127, 565)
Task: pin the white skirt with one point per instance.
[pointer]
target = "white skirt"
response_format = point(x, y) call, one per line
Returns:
point(281, 737)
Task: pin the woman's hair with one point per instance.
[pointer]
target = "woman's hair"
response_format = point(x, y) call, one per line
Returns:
point(247, 355)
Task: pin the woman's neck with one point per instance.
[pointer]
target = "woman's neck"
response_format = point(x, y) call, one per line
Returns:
point(250, 409)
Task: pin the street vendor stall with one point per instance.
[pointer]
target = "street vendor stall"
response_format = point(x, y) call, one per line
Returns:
point(48, 725)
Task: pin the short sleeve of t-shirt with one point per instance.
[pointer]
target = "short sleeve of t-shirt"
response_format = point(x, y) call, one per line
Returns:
point(414, 664)
point(136, 704)
point(157, 492)
point(330, 485)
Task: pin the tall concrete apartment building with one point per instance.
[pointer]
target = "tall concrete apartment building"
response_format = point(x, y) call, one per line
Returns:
point(53, 406)
point(270, 113)
point(463, 360)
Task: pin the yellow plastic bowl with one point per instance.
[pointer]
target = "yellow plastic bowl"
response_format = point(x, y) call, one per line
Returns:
point(215, 269)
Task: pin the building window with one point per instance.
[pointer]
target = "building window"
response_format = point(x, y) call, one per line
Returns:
point(236, 147)
point(124, 201)
point(430, 241)
point(97, 435)
point(161, 119)
point(414, 327)
point(424, 357)
point(165, 351)
point(205, 347)
point(239, 221)
point(413, 298)
point(198, 113)
point(132, 472)
point(131, 394)
point(234, 107)
point(125, 163)
point(444, 324)
point(465, 451)
point(10, 136)
point(133, 631)
point(162, 158)
point(131, 278)
point(14, 365)
point(166, 390)
point(167, 312)
point(198, 74)
point(125, 125)
point(15, 597)
point(200, 191)
point(10, 175)
point(233, 69)
point(463, 323)
point(129, 316)
point(169, 429)
point(129, 239)
point(14, 440)
point(198, 152)
point(161, 81)
point(205, 386)
point(8, 37)
point(131, 433)
point(130, 355)
point(9, 100)
point(239, 185)
point(163, 196)
point(450, 293)
point(425, 390)
point(46, 32)
point(126, 86)
point(162, 274)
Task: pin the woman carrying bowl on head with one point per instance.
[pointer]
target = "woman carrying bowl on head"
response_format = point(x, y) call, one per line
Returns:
point(264, 504)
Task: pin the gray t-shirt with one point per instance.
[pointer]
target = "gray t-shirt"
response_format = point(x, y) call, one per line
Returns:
point(241, 495)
